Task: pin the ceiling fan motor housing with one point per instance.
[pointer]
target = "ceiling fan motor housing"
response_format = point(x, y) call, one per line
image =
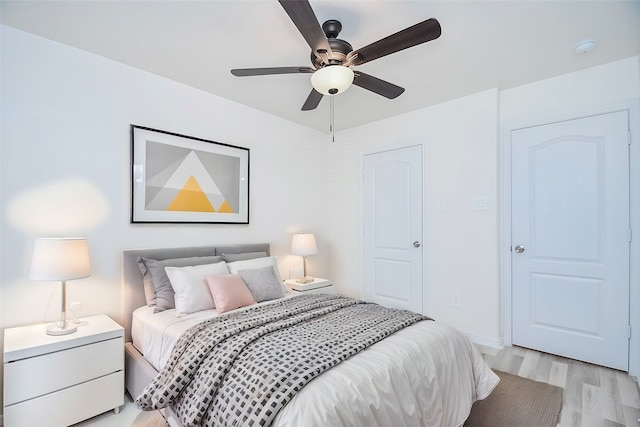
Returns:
point(340, 48)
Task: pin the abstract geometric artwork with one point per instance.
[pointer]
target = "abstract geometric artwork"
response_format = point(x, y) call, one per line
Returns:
point(177, 178)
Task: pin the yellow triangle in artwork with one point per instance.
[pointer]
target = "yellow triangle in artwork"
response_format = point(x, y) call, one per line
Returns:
point(225, 208)
point(191, 198)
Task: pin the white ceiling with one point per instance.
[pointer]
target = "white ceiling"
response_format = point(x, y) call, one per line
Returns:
point(484, 44)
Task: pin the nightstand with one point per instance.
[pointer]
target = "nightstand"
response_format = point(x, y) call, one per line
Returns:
point(318, 286)
point(61, 380)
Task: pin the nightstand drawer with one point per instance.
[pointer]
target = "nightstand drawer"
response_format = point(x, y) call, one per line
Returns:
point(70, 405)
point(36, 376)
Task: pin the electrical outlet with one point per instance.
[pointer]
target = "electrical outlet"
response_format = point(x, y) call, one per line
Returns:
point(455, 300)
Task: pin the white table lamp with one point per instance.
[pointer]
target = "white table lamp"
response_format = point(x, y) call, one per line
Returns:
point(60, 259)
point(304, 244)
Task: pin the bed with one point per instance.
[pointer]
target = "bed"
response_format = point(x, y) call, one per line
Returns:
point(424, 374)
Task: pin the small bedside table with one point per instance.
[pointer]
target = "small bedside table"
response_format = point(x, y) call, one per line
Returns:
point(318, 286)
point(61, 380)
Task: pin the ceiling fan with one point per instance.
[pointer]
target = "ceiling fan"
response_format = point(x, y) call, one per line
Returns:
point(332, 57)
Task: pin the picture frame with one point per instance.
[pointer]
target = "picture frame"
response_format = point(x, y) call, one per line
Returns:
point(184, 179)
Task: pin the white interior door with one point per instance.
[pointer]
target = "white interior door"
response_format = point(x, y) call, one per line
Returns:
point(393, 228)
point(570, 239)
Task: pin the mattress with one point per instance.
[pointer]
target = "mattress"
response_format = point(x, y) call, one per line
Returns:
point(427, 374)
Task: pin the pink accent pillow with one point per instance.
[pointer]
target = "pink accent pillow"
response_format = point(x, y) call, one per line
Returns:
point(229, 292)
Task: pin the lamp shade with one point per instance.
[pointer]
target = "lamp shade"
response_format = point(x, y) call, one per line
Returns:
point(303, 244)
point(332, 79)
point(60, 259)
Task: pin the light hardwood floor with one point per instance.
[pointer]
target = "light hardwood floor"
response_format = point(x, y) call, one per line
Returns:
point(593, 395)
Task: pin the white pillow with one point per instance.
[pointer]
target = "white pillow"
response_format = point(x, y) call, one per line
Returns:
point(190, 286)
point(250, 264)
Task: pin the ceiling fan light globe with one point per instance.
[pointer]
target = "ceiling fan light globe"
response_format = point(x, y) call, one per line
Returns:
point(332, 79)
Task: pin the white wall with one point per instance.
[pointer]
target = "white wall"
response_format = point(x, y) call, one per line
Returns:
point(65, 171)
point(464, 252)
point(461, 245)
point(567, 94)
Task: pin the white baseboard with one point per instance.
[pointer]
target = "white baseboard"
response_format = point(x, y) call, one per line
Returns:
point(486, 341)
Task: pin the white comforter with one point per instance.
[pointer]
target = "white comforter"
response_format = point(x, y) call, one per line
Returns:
point(427, 374)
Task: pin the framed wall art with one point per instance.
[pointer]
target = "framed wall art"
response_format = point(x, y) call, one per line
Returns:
point(183, 179)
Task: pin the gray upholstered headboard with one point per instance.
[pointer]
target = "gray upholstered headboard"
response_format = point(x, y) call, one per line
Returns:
point(132, 286)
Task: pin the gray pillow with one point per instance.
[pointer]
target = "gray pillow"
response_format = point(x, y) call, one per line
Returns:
point(263, 283)
point(157, 286)
point(243, 256)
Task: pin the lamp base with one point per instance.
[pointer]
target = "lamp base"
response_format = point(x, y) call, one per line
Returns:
point(65, 329)
point(305, 279)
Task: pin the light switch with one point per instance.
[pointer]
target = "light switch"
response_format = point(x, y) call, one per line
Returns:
point(479, 204)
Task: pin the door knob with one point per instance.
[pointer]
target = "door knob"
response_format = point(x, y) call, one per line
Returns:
point(519, 249)
point(416, 244)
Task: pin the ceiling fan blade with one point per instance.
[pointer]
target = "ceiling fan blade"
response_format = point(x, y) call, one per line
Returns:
point(312, 101)
point(376, 85)
point(420, 33)
point(304, 18)
point(244, 72)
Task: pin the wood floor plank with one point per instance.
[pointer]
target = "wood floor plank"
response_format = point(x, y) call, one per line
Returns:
point(591, 406)
point(611, 402)
point(609, 423)
point(570, 418)
point(628, 391)
point(631, 416)
point(575, 383)
point(529, 363)
point(543, 369)
point(490, 359)
point(486, 350)
point(590, 373)
point(558, 374)
point(508, 362)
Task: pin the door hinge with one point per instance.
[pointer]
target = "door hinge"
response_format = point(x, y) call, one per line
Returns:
point(629, 138)
point(630, 235)
point(629, 331)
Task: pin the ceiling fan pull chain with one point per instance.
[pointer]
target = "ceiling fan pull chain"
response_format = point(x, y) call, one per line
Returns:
point(332, 127)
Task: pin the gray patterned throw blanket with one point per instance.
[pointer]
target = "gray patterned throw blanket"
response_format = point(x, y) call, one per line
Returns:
point(241, 368)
